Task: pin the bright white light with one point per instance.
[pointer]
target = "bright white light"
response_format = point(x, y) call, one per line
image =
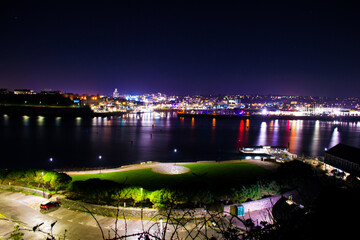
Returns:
point(175, 150)
point(261, 141)
point(100, 157)
point(40, 120)
point(335, 138)
point(337, 112)
point(50, 159)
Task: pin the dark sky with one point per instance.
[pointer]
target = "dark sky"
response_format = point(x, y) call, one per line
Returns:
point(181, 47)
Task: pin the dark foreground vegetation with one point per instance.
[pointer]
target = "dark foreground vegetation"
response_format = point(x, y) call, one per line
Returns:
point(330, 203)
point(198, 194)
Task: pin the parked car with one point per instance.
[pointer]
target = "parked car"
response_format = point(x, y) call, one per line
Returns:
point(49, 204)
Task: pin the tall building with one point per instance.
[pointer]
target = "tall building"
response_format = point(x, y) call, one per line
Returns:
point(115, 93)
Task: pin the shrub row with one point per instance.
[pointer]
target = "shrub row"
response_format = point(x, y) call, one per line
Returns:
point(51, 180)
point(108, 192)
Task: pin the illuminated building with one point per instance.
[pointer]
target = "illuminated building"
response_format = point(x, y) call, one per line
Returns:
point(115, 93)
point(23, 91)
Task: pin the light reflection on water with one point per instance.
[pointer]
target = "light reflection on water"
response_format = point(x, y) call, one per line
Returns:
point(26, 120)
point(261, 141)
point(315, 141)
point(275, 138)
point(335, 137)
point(136, 138)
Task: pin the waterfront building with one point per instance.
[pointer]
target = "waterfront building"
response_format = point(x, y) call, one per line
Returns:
point(24, 91)
point(344, 158)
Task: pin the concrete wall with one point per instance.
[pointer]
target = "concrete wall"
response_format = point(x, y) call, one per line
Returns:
point(107, 210)
point(262, 204)
point(128, 212)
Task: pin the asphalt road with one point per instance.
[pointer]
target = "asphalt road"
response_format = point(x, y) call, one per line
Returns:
point(24, 209)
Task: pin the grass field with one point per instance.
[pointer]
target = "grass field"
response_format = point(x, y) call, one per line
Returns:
point(201, 174)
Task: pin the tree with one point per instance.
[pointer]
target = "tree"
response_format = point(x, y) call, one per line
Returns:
point(166, 197)
point(59, 181)
point(130, 194)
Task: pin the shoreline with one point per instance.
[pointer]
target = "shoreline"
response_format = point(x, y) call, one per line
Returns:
point(54, 111)
point(270, 117)
point(66, 111)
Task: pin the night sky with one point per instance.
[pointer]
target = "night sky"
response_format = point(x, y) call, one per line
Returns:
point(181, 47)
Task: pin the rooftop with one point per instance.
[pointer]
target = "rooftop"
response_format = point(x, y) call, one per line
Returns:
point(345, 152)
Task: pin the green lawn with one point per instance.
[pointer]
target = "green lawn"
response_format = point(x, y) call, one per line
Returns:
point(209, 175)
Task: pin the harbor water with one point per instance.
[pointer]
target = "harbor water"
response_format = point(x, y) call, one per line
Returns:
point(60, 142)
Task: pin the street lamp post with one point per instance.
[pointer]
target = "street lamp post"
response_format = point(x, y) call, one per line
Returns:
point(42, 174)
point(100, 157)
point(51, 162)
point(161, 228)
point(141, 213)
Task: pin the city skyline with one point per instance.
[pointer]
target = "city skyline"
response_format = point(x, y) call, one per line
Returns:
point(118, 94)
point(181, 48)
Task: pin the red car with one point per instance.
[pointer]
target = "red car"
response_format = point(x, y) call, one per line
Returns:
point(49, 204)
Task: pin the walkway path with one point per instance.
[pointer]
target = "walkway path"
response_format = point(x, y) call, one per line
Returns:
point(157, 165)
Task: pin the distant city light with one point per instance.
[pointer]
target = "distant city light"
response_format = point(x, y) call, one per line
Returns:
point(239, 104)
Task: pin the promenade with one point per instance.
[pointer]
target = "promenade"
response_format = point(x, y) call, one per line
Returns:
point(157, 165)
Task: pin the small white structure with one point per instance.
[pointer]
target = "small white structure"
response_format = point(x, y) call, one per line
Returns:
point(115, 93)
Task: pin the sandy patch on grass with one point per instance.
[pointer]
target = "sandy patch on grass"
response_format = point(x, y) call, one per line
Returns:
point(170, 169)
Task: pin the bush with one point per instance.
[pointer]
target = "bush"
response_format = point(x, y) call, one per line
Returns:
point(94, 190)
point(246, 193)
point(203, 197)
point(167, 197)
point(61, 181)
point(16, 234)
point(256, 191)
point(3, 174)
point(131, 193)
point(52, 180)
